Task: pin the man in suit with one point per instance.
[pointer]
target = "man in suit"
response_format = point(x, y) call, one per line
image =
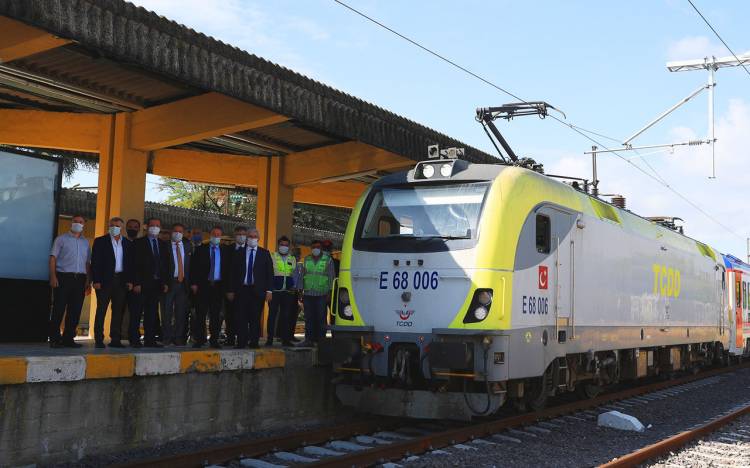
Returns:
point(111, 272)
point(149, 275)
point(209, 273)
point(250, 287)
point(174, 301)
point(240, 238)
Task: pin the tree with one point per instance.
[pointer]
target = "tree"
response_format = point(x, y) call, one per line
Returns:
point(234, 202)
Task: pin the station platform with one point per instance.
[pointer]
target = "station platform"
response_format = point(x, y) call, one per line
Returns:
point(64, 404)
point(33, 363)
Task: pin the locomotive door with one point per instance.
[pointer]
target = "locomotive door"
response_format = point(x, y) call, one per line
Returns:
point(737, 306)
point(564, 238)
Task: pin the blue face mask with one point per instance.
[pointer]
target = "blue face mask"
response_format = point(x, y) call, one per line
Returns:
point(197, 239)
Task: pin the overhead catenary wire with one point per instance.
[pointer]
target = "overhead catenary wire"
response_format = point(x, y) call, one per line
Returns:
point(580, 130)
point(718, 36)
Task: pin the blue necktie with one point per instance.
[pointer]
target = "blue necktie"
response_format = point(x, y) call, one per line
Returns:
point(212, 270)
point(250, 262)
point(155, 248)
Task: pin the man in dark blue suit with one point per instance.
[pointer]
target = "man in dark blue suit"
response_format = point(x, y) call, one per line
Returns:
point(250, 287)
point(209, 272)
point(174, 301)
point(150, 274)
point(112, 278)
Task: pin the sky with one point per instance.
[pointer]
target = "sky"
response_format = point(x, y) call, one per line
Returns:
point(602, 63)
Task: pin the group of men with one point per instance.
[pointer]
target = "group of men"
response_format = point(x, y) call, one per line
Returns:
point(158, 279)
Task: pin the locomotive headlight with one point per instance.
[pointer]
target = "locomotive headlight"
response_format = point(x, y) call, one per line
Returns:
point(446, 170)
point(480, 313)
point(344, 296)
point(348, 311)
point(484, 297)
point(428, 170)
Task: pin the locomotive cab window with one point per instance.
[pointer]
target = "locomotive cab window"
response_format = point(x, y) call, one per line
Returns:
point(543, 233)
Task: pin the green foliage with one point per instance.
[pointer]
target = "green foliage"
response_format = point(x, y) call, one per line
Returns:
point(234, 202)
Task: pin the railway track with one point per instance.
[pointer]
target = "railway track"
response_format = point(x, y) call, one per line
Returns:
point(714, 452)
point(380, 440)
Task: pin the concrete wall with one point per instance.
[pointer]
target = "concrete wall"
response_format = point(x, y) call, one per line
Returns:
point(65, 421)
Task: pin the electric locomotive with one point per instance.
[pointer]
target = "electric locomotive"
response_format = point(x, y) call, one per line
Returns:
point(467, 286)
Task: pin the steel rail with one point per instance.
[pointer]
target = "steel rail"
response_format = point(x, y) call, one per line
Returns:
point(676, 441)
point(257, 447)
point(399, 450)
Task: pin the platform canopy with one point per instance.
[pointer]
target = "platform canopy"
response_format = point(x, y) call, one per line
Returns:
point(149, 95)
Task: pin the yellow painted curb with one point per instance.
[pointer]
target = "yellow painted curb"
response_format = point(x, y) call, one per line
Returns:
point(107, 366)
point(12, 370)
point(200, 361)
point(269, 358)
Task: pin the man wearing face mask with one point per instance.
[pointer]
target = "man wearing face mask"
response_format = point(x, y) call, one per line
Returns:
point(174, 301)
point(208, 274)
point(151, 271)
point(132, 228)
point(284, 302)
point(250, 288)
point(111, 273)
point(196, 238)
point(240, 238)
point(316, 278)
point(69, 271)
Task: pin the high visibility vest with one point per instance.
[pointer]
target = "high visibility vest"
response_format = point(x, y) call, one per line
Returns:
point(316, 274)
point(283, 266)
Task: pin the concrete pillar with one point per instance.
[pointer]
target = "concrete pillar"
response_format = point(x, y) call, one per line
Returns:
point(122, 184)
point(275, 203)
point(274, 209)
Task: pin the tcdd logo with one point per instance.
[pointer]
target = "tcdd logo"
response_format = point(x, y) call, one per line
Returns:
point(404, 315)
point(543, 277)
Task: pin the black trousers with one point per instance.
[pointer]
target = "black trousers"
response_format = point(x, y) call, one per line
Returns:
point(280, 313)
point(146, 305)
point(247, 313)
point(67, 301)
point(115, 292)
point(210, 299)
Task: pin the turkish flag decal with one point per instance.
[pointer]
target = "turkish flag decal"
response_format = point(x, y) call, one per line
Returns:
point(543, 277)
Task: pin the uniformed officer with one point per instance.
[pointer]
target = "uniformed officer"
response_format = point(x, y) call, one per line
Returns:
point(284, 303)
point(316, 277)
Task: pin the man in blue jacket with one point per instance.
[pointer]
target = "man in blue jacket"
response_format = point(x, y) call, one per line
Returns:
point(111, 272)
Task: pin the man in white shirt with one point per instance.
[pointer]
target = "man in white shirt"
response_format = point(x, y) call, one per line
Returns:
point(174, 303)
point(111, 272)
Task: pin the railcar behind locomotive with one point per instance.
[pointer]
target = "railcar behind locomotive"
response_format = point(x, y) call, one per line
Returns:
point(464, 287)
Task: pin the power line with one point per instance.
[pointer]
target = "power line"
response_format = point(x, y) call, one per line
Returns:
point(580, 130)
point(717, 35)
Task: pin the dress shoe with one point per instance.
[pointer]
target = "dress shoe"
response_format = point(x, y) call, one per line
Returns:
point(215, 345)
point(100, 345)
point(72, 344)
point(294, 339)
point(56, 344)
point(197, 345)
point(238, 346)
point(153, 344)
point(229, 342)
point(269, 343)
point(287, 343)
point(179, 343)
point(253, 345)
point(136, 344)
point(306, 344)
point(116, 344)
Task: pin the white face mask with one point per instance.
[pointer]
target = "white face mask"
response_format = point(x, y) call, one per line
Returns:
point(154, 231)
point(283, 249)
point(252, 243)
point(114, 231)
point(240, 239)
point(76, 227)
point(215, 240)
point(177, 236)
point(316, 252)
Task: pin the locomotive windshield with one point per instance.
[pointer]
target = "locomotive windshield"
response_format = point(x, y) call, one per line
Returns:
point(422, 213)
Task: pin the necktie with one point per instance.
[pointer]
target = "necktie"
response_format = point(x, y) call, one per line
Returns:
point(212, 269)
point(180, 267)
point(155, 249)
point(250, 263)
